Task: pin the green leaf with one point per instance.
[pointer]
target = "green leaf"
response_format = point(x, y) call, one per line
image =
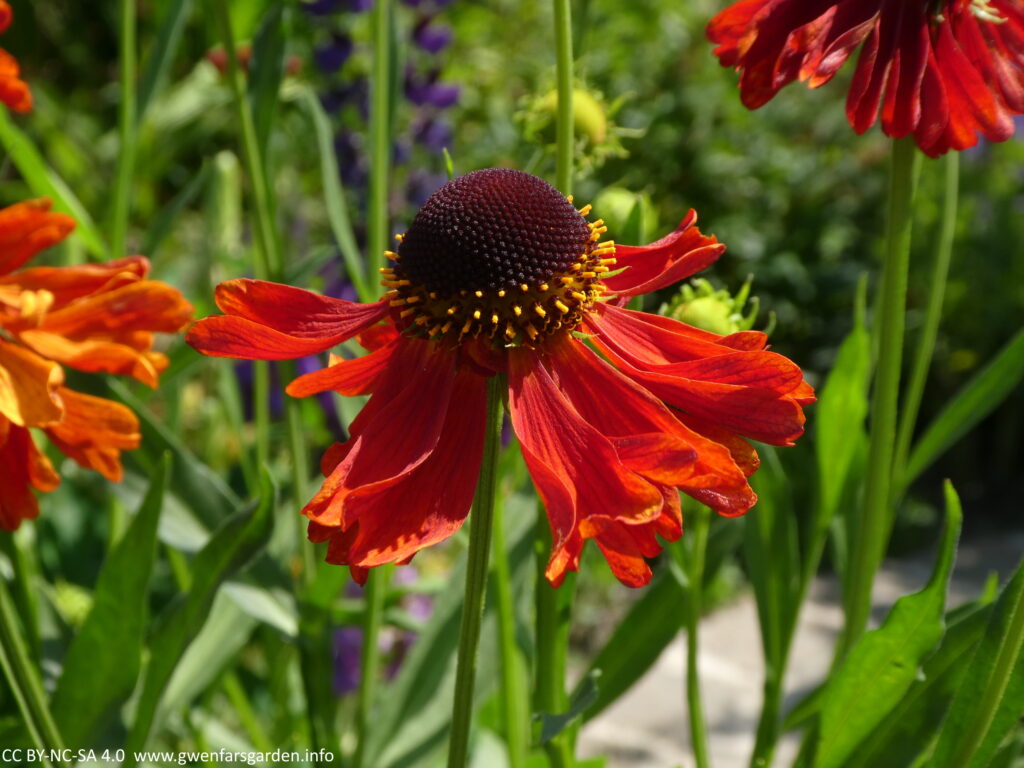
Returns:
point(974, 402)
point(266, 71)
point(233, 545)
point(163, 222)
point(102, 664)
point(192, 481)
point(334, 194)
point(839, 414)
point(910, 727)
point(991, 699)
point(170, 29)
point(884, 663)
point(582, 699)
point(44, 182)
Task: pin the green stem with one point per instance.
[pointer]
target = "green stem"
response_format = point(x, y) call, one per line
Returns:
point(380, 139)
point(369, 671)
point(246, 714)
point(24, 680)
point(933, 313)
point(872, 530)
point(126, 128)
point(551, 644)
point(698, 534)
point(267, 265)
point(514, 696)
point(481, 525)
point(564, 139)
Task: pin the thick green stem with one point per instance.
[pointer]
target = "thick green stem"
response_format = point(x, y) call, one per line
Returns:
point(481, 524)
point(514, 696)
point(698, 534)
point(126, 128)
point(380, 139)
point(23, 678)
point(933, 313)
point(872, 529)
point(551, 644)
point(564, 139)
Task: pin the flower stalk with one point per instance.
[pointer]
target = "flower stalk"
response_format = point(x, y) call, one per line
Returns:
point(698, 535)
point(564, 138)
point(126, 127)
point(873, 527)
point(481, 525)
point(380, 137)
point(369, 669)
point(933, 312)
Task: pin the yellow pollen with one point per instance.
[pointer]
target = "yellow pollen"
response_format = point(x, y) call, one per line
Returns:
point(586, 209)
point(399, 237)
point(479, 294)
point(539, 310)
point(453, 309)
point(398, 302)
point(494, 318)
point(391, 255)
point(467, 326)
point(561, 307)
point(531, 331)
point(578, 296)
point(588, 274)
point(407, 312)
point(446, 327)
point(476, 314)
point(524, 287)
point(517, 309)
point(434, 331)
point(501, 294)
point(422, 320)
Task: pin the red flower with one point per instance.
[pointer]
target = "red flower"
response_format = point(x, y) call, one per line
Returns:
point(14, 91)
point(95, 317)
point(942, 70)
point(500, 274)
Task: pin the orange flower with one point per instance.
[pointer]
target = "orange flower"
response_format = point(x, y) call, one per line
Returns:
point(94, 317)
point(500, 275)
point(14, 91)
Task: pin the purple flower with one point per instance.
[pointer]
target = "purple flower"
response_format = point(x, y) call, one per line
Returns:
point(434, 134)
point(422, 184)
point(348, 647)
point(424, 90)
point(323, 7)
point(432, 37)
point(332, 55)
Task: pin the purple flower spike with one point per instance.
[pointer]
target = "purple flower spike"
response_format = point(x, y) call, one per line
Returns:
point(323, 7)
point(360, 6)
point(443, 95)
point(331, 56)
point(435, 135)
point(431, 37)
point(348, 647)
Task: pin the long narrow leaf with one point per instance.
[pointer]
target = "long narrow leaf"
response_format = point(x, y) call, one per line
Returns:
point(974, 402)
point(991, 700)
point(103, 662)
point(231, 547)
point(171, 27)
point(884, 663)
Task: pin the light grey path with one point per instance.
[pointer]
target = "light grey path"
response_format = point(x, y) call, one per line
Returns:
point(646, 728)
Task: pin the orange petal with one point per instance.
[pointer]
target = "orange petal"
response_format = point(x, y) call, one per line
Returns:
point(94, 431)
point(25, 468)
point(28, 228)
point(70, 283)
point(14, 91)
point(98, 356)
point(147, 305)
point(28, 387)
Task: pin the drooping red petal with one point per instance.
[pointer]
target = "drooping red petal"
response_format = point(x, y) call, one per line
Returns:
point(574, 466)
point(267, 321)
point(745, 392)
point(394, 433)
point(676, 256)
point(431, 502)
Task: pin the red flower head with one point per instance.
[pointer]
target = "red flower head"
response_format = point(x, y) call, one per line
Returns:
point(95, 317)
point(500, 274)
point(14, 91)
point(942, 70)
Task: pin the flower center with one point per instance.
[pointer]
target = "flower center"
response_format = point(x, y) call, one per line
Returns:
point(501, 254)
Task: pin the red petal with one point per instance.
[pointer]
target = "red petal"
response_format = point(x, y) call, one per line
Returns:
point(394, 433)
point(432, 501)
point(25, 467)
point(674, 257)
point(348, 377)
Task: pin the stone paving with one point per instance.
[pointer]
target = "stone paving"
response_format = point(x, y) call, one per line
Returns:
point(646, 728)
